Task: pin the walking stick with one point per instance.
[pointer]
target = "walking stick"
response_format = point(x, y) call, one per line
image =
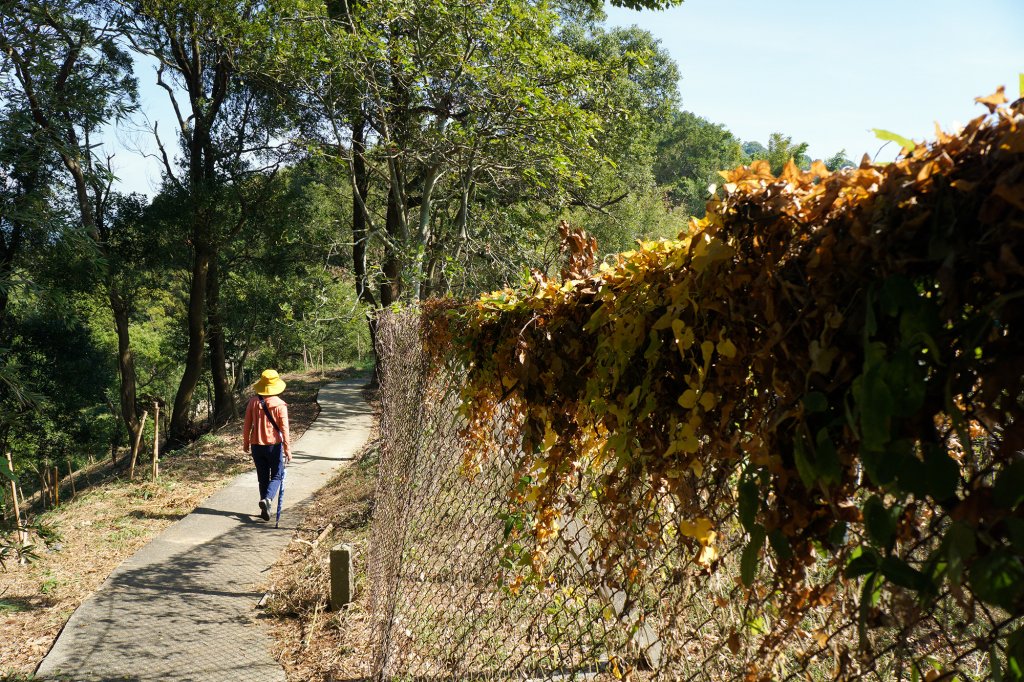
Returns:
point(280, 496)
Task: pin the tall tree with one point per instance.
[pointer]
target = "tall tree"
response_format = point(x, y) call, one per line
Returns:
point(779, 151)
point(196, 47)
point(71, 77)
point(690, 155)
point(438, 110)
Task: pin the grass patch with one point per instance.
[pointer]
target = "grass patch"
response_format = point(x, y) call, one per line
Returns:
point(12, 606)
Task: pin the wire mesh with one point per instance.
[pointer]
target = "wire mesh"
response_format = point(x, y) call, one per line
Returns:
point(458, 591)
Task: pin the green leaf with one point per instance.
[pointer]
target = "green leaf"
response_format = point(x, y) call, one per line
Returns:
point(826, 460)
point(869, 596)
point(897, 293)
point(804, 465)
point(874, 399)
point(941, 472)
point(1015, 531)
point(883, 465)
point(749, 500)
point(863, 562)
point(893, 137)
point(751, 555)
point(837, 534)
point(998, 578)
point(909, 470)
point(1009, 488)
point(879, 522)
point(780, 544)
point(905, 380)
point(961, 546)
point(6, 472)
point(815, 402)
point(1015, 656)
point(899, 572)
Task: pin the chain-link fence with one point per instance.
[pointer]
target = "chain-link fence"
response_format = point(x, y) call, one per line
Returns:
point(456, 592)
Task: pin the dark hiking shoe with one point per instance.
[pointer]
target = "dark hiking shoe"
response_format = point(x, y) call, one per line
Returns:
point(265, 510)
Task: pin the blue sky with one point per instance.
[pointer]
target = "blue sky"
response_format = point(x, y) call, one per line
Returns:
point(826, 72)
point(823, 72)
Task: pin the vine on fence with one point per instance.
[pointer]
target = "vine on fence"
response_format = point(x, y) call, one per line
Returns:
point(830, 363)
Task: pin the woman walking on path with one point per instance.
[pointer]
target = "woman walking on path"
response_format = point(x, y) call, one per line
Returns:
point(266, 430)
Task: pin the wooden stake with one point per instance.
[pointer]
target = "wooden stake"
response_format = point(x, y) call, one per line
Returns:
point(138, 443)
point(56, 487)
point(156, 440)
point(71, 477)
point(22, 535)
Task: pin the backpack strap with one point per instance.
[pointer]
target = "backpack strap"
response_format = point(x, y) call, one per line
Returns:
point(266, 411)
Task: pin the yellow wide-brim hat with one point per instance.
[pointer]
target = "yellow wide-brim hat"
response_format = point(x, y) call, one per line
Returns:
point(270, 383)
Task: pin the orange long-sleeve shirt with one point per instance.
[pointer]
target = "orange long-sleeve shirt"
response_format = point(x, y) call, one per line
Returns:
point(259, 430)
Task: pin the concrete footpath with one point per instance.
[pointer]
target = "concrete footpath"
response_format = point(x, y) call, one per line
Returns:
point(182, 607)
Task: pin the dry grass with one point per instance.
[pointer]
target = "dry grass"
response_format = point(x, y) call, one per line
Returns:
point(313, 643)
point(111, 519)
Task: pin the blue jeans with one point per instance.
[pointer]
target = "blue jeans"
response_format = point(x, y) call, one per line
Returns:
point(269, 461)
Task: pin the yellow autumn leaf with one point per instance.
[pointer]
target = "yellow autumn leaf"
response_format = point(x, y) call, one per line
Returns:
point(790, 172)
point(550, 438)
point(761, 167)
point(994, 100)
point(726, 348)
point(706, 349)
point(683, 335)
point(700, 529)
point(688, 399)
point(707, 401)
point(697, 467)
point(707, 555)
point(688, 444)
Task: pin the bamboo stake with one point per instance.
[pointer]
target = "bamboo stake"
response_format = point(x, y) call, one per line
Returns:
point(156, 440)
point(22, 535)
point(138, 442)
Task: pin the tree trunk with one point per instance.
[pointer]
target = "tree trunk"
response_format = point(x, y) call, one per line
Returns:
point(360, 190)
point(223, 398)
point(423, 233)
point(391, 285)
point(178, 429)
point(125, 365)
point(360, 235)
